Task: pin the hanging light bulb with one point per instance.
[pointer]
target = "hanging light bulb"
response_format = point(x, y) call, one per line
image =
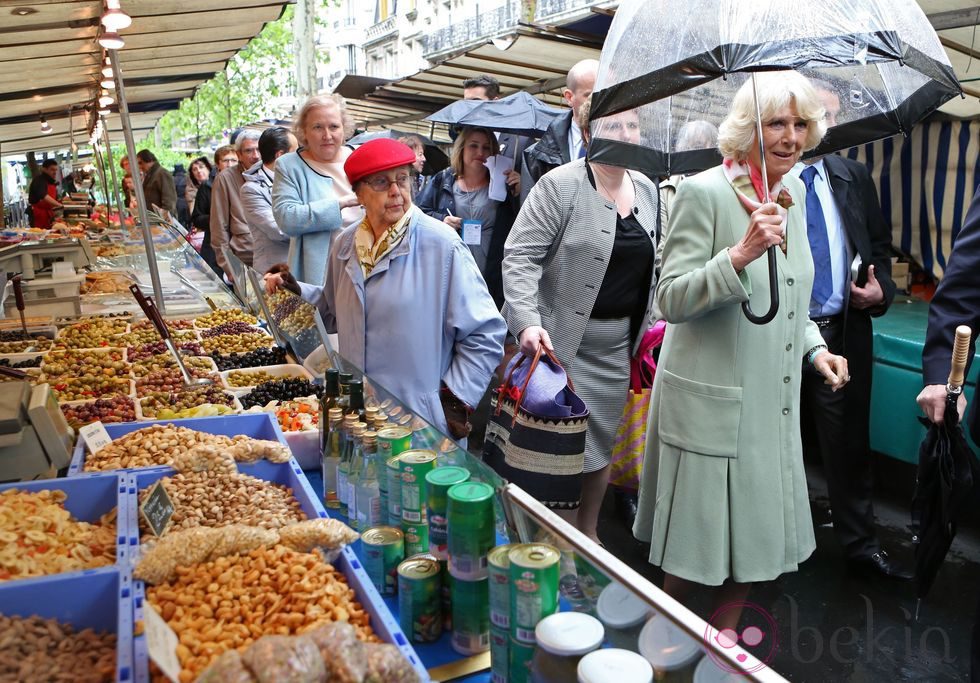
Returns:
point(105, 100)
point(45, 126)
point(108, 83)
point(114, 18)
point(111, 40)
point(107, 68)
point(105, 112)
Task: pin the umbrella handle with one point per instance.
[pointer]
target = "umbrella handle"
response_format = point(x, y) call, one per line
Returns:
point(961, 349)
point(773, 294)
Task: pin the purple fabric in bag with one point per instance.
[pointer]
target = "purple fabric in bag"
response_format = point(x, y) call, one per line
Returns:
point(547, 394)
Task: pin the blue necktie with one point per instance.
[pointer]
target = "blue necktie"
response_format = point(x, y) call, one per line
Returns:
point(816, 232)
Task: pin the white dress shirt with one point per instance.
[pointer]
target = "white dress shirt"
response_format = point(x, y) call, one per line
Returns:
point(574, 140)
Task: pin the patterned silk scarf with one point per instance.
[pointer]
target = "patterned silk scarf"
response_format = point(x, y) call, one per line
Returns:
point(369, 250)
point(746, 180)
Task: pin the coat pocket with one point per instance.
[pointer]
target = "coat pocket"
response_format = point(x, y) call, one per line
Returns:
point(697, 417)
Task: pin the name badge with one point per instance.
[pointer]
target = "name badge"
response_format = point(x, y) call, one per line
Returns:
point(472, 232)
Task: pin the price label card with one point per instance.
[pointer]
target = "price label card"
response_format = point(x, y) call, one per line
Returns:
point(161, 643)
point(472, 232)
point(157, 509)
point(95, 436)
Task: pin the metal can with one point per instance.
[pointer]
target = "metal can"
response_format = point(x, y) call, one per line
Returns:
point(416, 538)
point(471, 617)
point(499, 657)
point(419, 611)
point(471, 529)
point(415, 464)
point(438, 483)
point(393, 472)
point(384, 549)
point(393, 441)
point(533, 587)
point(447, 597)
point(498, 566)
point(519, 656)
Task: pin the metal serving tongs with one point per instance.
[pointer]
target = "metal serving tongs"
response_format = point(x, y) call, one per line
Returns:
point(153, 315)
point(19, 298)
point(14, 373)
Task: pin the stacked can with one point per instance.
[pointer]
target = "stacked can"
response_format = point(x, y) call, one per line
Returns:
point(470, 537)
point(438, 482)
point(392, 441)
point(415, 465)
point(393, 479)
point(384, 550)
point(419, 601)
point(498, 566)
point(533, 596)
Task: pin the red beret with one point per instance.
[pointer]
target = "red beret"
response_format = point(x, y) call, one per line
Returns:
point(377, 155)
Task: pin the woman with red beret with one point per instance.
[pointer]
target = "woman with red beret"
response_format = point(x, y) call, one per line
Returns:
point(405, 296)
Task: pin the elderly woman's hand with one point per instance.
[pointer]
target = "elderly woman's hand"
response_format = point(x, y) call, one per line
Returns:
point(765, 230)
point(347, 201)
point(279, 276)
point(532, 337)
point(833, 368)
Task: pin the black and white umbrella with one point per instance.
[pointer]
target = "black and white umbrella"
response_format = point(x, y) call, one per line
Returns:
point(680, 62)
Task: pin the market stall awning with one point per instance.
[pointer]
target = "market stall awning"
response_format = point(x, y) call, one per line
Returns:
point(50, 61)
point(533, 58)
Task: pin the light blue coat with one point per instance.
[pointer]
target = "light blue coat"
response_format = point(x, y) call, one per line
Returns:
point(307, 209)
point(423, 315)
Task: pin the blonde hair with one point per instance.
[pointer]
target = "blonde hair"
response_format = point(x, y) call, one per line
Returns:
point(333, 100)
point(777, 89)
point(414, 142)
point(456, 156)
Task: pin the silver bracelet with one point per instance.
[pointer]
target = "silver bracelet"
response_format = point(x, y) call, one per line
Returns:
point(814, 352)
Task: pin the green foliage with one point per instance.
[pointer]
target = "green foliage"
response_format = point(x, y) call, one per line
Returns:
point(241, 94)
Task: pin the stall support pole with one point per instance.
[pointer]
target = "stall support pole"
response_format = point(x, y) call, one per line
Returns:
point(3, 217)
point(112, 172)
point(144, 216)
point(101, 165)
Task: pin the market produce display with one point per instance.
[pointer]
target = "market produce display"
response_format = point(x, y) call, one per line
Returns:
point(299, 415)
point(236, 343)
point(166, 362)
point(38, 536)
point(169, 380)
point(86, 364)
point(106, 282)
point(252, 359)
point(172, 324)
point(36, 649)
point(330, 652)
point(18, 335)
point(108, 410)
point(175, 401)
point(159, 348)
point(88, 387)
point(91, 334)
point(34, 362)
point(36, 344)
point(278, 390)
point(243, 378)
point(227, 315)
point(159, 444)
point(233, 327)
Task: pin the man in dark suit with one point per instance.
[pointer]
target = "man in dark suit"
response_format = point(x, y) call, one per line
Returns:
point(956, 302)
point(851, 247)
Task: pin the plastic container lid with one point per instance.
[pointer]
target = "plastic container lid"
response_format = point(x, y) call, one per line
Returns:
point(667, 647)
point(448, 475)
point(471, 492)
point(569, 633)
point(613, 665)
point(709, 672)
point(620, 608)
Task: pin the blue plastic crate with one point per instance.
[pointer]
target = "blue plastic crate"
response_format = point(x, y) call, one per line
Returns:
point(101, 599)
point(255, 425)
point(289, 474)
point(88, 498)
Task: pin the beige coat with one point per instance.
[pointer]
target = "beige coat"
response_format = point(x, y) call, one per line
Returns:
point(723, 492)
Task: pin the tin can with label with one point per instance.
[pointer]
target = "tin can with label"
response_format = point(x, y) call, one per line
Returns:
point(393, 472)
point(438, 483)
point(519, 657)
point(533, 587)
point(499, 655)
point(393, 441)
point(419, 610)
point(415, 465)
point(471, 529)
point(416, 538)
point(471, 617)
point(384, 550)
point(447, 597)
point(498, 566)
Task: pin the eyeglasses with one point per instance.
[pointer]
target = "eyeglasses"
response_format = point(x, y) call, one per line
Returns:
point(382, 183)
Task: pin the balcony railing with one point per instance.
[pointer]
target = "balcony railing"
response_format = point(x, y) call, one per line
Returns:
point(381, 29)
point(482, 25)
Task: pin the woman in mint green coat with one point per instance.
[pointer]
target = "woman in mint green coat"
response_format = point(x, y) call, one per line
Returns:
point(723, 498)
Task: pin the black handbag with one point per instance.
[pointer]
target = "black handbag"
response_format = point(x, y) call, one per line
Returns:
point(542, 454)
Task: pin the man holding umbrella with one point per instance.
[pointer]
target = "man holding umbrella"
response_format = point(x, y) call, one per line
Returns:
point(956, 302)
point(845, 227)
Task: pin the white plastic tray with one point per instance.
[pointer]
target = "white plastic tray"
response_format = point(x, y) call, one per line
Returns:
point(286, 370)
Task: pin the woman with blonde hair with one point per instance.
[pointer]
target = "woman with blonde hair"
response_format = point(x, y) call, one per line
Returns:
point(311, 197)
point(723, 496)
